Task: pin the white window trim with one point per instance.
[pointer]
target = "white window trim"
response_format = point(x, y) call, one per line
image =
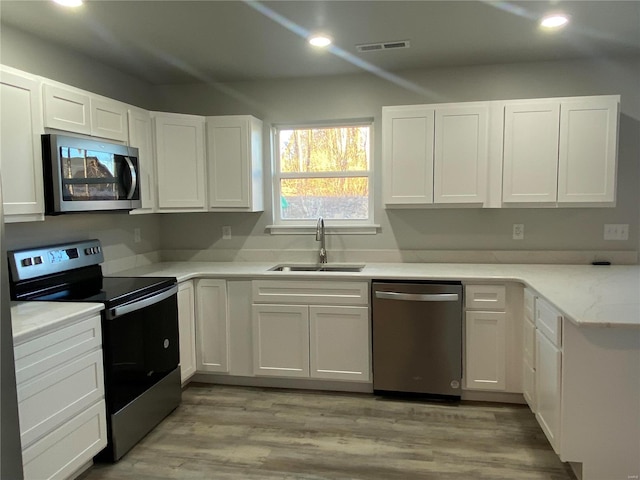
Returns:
point(282, 226)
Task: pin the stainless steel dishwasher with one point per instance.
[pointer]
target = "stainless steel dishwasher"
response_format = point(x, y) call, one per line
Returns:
point(417, 337)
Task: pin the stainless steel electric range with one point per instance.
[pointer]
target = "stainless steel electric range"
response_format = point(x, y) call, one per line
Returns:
point(139, 332)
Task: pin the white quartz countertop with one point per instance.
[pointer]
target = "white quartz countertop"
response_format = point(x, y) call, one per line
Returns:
point(587, 295)
point(30, 319)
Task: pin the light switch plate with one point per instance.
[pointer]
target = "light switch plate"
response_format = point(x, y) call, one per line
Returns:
point(226, 232)
point(616, 231)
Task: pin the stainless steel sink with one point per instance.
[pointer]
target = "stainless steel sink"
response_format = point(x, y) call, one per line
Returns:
point(316, 268)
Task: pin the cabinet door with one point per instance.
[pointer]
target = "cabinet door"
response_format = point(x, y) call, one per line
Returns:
point(281, 340)
point(407, 155)
point(67, 110)
point(213, 326)
point(485, 364)
point(234, 156)
point(186, 329)
point(141, 137)
point(461, 151)
point(180, 162)
point(528, 363)
point(530, 152)
point(588, 143)
point(339, 343)
point(109, 119)
point(20, 149)
point(548, 388)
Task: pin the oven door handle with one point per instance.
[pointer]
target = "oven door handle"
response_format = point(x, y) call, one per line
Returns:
point(145, 302)
point(418, 297)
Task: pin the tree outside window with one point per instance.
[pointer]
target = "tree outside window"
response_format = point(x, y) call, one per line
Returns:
point(324, 171)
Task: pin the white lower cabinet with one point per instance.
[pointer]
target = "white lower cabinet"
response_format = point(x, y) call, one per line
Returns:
point(212, 326)
point(60, 390)
point(548, 371)
point(485, 353)
point(281, 340)
point(312, 335)
point(187, 329)
point(528, 351)
point(339, 342)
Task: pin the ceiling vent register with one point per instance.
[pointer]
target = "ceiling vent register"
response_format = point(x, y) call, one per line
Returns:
point(374, 47)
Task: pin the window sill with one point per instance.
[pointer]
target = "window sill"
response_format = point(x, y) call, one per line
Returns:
point(329, 230)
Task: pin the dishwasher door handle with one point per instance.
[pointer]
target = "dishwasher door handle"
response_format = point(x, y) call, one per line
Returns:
point(419, 297)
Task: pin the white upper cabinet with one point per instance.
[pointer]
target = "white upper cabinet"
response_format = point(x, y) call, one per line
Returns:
point(234, 156)
point(67, 110)
point(435, 154)
point(73, 110)
point(588, 150)
point(530, 168)
point(561, 151)
point(141, 137)
point(407, 154)
point(20, 149)
point(461, 150)
point(180, 162)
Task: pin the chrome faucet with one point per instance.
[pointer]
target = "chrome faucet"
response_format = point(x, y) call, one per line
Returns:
point(320, 238)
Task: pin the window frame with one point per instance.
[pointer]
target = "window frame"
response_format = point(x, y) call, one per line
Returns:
point(282, 225)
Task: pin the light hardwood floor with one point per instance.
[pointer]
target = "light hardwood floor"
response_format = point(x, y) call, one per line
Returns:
point(221, 432)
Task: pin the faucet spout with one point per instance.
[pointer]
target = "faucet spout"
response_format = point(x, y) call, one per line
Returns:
point(320, 238)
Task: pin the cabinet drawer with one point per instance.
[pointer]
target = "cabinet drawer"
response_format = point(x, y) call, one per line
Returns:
point(43, 353)
point(485, 297)
point(549, 322)
point(49, 400)
point(529, 305)
point(66, 449)
point(311, 292)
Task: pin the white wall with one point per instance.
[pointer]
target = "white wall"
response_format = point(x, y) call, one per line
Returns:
point(359, 96)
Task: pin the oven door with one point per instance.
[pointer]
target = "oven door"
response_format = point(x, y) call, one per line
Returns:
point(140, 346)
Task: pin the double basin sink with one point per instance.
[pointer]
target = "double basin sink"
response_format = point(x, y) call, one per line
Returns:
point(322, 267)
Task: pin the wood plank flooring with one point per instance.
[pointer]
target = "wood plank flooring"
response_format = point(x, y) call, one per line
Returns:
point(222, 432)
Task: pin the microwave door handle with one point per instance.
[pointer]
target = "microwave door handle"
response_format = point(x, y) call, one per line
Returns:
point(145, 302)
point(134, 178)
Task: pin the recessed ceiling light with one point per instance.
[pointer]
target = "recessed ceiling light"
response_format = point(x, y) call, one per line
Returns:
point(69, 3)
point(320, 40)
point(556, 20)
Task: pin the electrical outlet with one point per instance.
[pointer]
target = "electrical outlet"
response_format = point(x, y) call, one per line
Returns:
point(137, 238)
point(518, 231)
point(616, 231)
point(226, 232)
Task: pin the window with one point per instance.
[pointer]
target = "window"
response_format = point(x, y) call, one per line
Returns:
point(323, 171)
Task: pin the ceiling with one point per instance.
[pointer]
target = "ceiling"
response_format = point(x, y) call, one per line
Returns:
point(167, 42)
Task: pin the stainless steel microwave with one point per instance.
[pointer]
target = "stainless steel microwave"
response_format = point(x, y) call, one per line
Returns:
point(82, 175)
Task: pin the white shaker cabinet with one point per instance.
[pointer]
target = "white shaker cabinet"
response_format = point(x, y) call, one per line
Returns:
point(187, 329)
point(20, 149)
point(435, 154)
point(281, 340)
point(561, 152)
point(60, 390)
point(212, 326)
point(180, 162)
point(234, 160)
point(548, 359)
point(141, 137)
point(588, 150)
point(311, 329)
point(528, 350)
point(530, 158)
point(461, 154)
point(485, 337)
point(74, 110)
point(407, 152)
